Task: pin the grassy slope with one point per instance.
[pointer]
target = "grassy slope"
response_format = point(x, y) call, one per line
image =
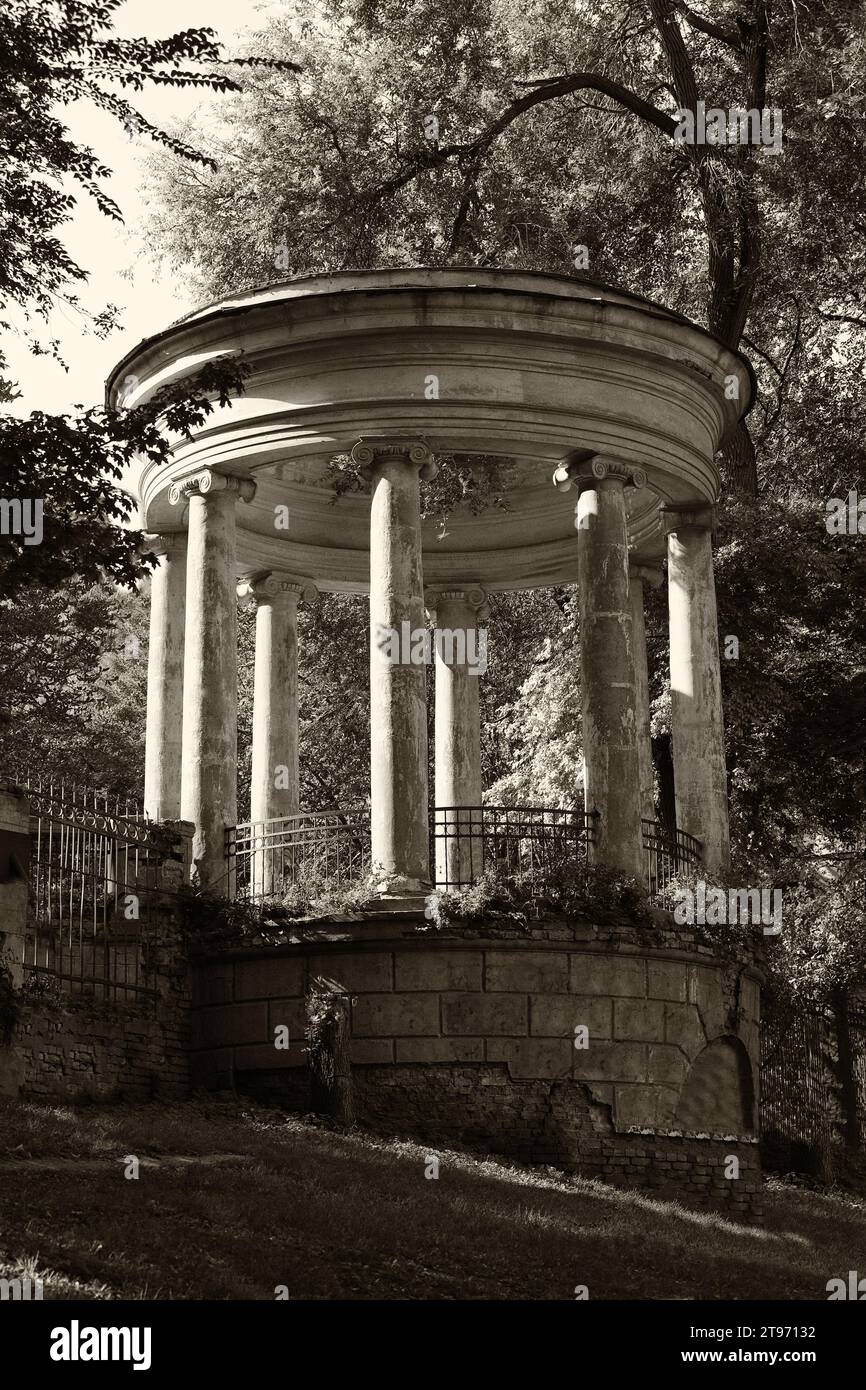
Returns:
point(334, 1215)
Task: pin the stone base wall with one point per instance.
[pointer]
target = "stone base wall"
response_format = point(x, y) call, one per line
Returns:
point(87, 1050)
point(626, 1057)
point(71, 1043)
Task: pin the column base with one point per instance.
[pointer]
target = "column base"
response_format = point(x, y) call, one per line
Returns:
point(402, 894)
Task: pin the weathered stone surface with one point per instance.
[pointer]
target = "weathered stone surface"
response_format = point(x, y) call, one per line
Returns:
point(544, 971)
point(530, 1058)
point(609, 1061)
point(438, 970)
point(667, 1064)
point(231, 1023)
point(266, 1057)
point(683, 1027)
point(371, 1051)
point(272, 975)
point(357, 971)
point(440, 1049)
point(608, 974)
point(557, 1015)
point(638, 1020)
point(484, 1014)
point(394, 1015)
point(290, 1013)
point(668, 979)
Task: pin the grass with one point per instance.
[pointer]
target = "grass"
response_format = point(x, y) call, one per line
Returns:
point(334, 1215)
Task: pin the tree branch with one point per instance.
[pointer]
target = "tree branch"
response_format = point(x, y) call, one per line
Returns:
point(724, 34)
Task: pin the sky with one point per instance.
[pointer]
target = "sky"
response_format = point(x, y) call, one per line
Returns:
point(148, 297)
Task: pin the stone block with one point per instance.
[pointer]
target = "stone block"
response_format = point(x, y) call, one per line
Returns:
point(266, 1057)
point(532, 1058)
point(212, 984)
point(395, 1015)
point(683, 1027)
point(542, 971)
point(638, 1020)
point(637, 1105)
point(557, 1015)
point(667, 1065)
point(224, 1025)
point(707, 992)
point(613, 974)
point(358, 972)
point(668, 979)
point(370, 1051)
point(438, 969)
point(483, 1015)
point(440, 1049)
point(608, 1061)
point(750, 999)
point(270, 976)
point(291, 1013)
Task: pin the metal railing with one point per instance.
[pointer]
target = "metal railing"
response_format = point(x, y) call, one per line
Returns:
point(97, 882)
point(466, 840)
point(270, 855)
point(267, 857)
point(668, 855)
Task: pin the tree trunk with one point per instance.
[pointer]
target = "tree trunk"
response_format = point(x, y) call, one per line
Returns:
point(329, 1032)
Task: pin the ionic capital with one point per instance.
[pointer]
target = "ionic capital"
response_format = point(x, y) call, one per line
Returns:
point(258, 589)
point(644, 571)
point(370, 450)
point(473, 596)
point(688, 516)
point(169, 543)
point(582, 470)
point(208, 483)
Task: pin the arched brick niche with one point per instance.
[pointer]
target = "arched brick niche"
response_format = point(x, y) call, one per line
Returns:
point(719, 1091)
point(470, 1039)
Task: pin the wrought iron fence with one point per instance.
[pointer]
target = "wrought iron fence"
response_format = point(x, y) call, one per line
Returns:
point(270, 855)
point(466, 840)
point(267, 856)
point(668, 855)
point(97, 882)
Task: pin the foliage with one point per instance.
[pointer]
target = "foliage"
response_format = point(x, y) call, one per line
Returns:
point(472, 481)
point(53, 55)
point(74, 666)
point(9, 1007)
point(565, 888)
point(822, 948)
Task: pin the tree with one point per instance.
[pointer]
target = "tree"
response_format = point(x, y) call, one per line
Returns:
point(427, 137)
point(63, 470)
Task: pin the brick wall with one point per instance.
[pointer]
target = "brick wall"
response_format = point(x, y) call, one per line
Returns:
point(470, 1038)
point(77, 1046)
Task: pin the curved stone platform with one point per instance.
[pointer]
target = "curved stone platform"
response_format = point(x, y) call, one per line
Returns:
point(472, 1037)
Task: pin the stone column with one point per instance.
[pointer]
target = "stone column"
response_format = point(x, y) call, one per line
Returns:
point(460, 646)
point(210, 682)
point(162, 740)
point(612, 775)
point(639, 575)
point(398, 707)
point(697, 727)
point(274, 779)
